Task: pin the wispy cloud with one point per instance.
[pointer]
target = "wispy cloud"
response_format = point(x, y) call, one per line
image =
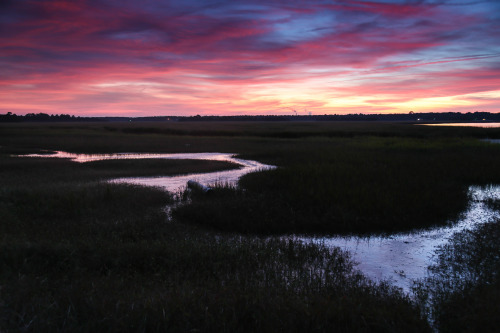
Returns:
point(248, 57)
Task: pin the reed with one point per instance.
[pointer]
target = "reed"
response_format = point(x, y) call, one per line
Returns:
point(80, 256)
point(359, 185)
point(462, 292)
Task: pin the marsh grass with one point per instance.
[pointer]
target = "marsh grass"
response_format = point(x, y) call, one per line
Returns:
point(200, 283)
point(232, 129)
point(231, 137)
point(76, 257)
point(463, 291)
point(54, 170)
point(360, 185)
point(77, 254)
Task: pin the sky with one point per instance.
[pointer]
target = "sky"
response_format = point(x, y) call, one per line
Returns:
point(240, 57)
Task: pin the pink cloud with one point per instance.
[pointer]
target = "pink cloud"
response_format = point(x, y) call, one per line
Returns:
point(100, 58)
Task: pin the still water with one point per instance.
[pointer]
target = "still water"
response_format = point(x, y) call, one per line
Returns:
point(172, 184)
point(483, 125)
point(399, 258)
point(402, 258)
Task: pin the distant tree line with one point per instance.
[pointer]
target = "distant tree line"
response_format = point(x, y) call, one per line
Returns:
point(38, 117)
point(411, 116)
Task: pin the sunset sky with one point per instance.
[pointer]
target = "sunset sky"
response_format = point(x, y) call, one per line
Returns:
point(236, 57)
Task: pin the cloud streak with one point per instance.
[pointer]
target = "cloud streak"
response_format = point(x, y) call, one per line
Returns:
point(134, 57)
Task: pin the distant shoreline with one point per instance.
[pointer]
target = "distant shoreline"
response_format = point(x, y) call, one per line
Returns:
point(432, 117)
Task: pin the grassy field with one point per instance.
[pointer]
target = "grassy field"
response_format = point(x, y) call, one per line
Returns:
point(79, 254)
point(363, 184)
point(333, 177)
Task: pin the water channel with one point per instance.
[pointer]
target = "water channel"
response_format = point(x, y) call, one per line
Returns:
point(481, 125)
point(172, 184)
point(399, 258)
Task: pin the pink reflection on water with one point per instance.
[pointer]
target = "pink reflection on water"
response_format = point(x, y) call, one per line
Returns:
point(171, 183)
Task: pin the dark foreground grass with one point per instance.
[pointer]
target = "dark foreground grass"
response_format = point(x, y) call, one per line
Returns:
point(90, 256)
point(79, 255)
point(200, 283)
point(463, 292)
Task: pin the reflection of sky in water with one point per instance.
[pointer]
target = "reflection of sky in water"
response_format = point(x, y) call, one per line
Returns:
point(402, 258)
point(483, 125)
point(399, 258)
point(171, 183)
point(177, 183)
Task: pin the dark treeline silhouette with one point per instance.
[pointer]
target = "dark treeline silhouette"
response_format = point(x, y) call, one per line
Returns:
point(411, 117)
point(39, 117)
